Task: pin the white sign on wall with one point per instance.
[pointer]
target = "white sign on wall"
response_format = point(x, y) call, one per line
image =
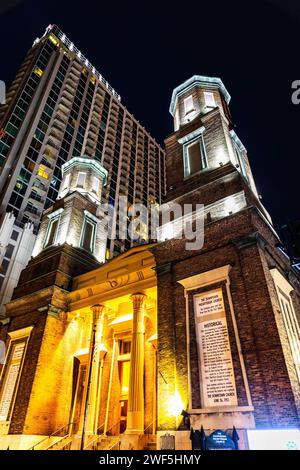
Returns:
point(216, 367)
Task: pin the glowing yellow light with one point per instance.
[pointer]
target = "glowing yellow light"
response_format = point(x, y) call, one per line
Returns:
point(175, 405)
point(38, 71)
point(125, 377)
point(41, 172)
point(121, 319)
point(53, 39)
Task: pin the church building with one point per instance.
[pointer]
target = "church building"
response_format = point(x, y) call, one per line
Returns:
point(164, 340)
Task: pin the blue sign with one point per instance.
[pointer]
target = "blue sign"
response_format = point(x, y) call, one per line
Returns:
point(219, 440)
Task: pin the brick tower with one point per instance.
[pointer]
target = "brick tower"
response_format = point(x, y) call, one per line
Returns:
point(228, 332)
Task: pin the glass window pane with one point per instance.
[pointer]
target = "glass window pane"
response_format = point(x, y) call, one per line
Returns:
point(52, 232)
point(194, 156)
point(87, 236)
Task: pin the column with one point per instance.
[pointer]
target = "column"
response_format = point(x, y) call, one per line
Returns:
point(135, 414)
point(93, 386)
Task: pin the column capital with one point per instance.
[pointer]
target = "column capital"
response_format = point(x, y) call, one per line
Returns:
point(138, 299)
point(97, 310)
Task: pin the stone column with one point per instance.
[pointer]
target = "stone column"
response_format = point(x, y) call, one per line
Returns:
point(135, 414)
point(93, 391)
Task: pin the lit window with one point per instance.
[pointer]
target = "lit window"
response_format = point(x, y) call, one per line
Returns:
point(52, 232)
point(38, 71)
point(53, 39)
point(41, 172)
point(194, 157)
point(88, 235)
point(81, 180)
point(125, 374)
point(188, 104)
point(209, 99)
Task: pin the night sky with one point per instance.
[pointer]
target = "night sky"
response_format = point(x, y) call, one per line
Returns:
point(144, 49)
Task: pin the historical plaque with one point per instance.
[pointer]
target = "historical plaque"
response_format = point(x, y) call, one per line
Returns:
point(167, 442)
point(216, 368)
point(219, 440)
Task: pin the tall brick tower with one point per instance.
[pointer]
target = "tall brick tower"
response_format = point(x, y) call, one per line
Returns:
point(228, 331)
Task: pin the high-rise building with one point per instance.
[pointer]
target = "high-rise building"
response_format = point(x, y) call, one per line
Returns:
point(168, 345)
point(58, 107)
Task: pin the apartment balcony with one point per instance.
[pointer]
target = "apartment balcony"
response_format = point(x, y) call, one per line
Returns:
point(55, 137)
point(77, 66)
point(69, 88)
point(114, 107)
point(89, 150)
point(56, 132)
point(126, 145)
point(99, 99)
point(41, 190)
point(92, 132)
point(35, 218)
point(152, 171)
point(66, 101)
point(124, 164)
point(139, 185)
point(127, 133)
point(39, 203)
point(63, 109)
point(113, 119)
point(95, 120)
point(110, 130)
point(110, 139)
point(73, 77)
point(54, 144)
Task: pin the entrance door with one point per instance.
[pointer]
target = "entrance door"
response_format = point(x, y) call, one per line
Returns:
point(124, 368)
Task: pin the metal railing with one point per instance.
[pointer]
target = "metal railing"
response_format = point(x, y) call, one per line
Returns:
point(92, 444)
point(66, 426)
point(70, 45)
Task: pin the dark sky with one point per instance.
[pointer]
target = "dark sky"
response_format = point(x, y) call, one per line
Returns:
point(146, 48)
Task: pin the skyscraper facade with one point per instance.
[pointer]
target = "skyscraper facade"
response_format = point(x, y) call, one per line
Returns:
point(58, 107)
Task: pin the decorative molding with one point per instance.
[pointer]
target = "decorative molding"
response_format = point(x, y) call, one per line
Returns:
point(192, 135)
point(198, 80)
point(207, 278)
point(249, 240)
point(22, 333)
point(86, 161)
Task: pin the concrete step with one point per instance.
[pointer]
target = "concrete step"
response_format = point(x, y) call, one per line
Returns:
point(61, 444)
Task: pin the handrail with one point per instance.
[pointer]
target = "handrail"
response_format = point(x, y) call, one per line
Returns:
point(116, 443)
point(154, 421)
point(146, 434)
point(95, 437)
point(50, 435)
point(101, 435)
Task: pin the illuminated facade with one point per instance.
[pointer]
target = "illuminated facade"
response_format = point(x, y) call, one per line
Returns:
point(59, 106)
point(133, 353)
